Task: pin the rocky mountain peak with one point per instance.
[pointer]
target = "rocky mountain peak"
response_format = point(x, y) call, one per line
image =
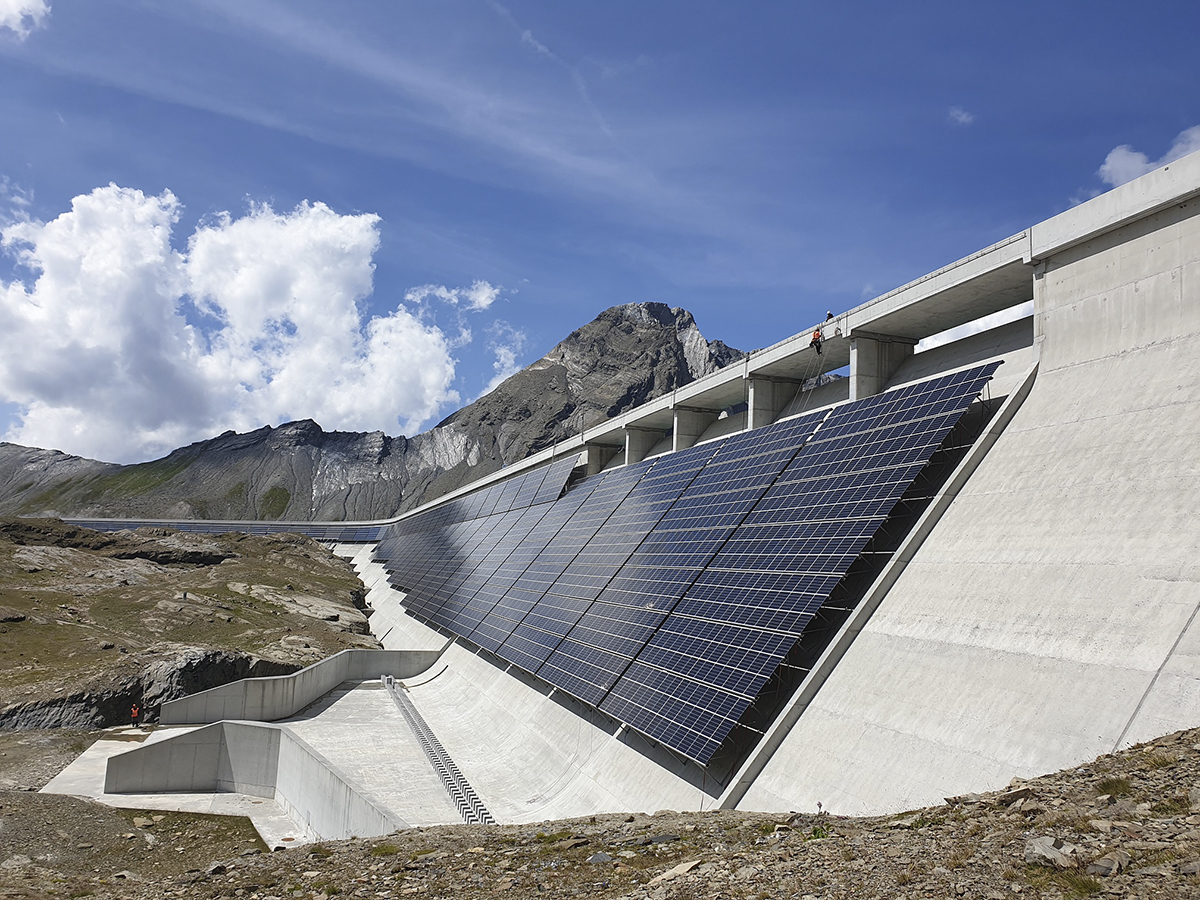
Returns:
point(625, 356)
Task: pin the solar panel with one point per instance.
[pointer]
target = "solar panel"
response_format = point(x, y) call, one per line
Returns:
point(597, 560)
point(607, 492)
point(667, 593)
point(643, 591)
point(737, 622)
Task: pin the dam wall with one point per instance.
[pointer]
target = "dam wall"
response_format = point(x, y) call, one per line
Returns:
point(1042, 611)
point(1049, 617)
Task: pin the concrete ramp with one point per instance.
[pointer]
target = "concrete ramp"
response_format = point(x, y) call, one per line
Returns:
point(279, 696)
point(531, 758)
point(358, 729)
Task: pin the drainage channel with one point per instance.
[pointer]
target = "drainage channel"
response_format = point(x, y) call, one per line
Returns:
point(470, 807)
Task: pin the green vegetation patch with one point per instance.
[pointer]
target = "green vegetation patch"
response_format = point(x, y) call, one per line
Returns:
point(133, 481)
point(1073, 884)
point(1159, 760)
point(1172, 806)
point(274, 502)
point(1115, 787)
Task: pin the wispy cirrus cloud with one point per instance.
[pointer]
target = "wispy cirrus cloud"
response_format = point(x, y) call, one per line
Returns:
point(507, 343)
point(531, 128)
point(960, 116)
point(498, 108)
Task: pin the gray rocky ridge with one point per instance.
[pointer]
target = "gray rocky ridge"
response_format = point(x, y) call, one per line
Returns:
point(297, 471)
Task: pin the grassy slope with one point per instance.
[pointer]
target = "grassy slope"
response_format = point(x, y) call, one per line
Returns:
point(74, 600)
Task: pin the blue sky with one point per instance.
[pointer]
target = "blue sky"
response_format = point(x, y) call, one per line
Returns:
point(365, 212)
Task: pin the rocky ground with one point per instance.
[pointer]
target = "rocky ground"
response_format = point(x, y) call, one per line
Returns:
point(91, 622)
point(1127, 825)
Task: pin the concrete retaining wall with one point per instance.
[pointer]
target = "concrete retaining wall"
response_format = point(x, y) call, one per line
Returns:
point(277, 697)
point(389, 623)
point(227, 756)
point(316, 794)
point(259, 760)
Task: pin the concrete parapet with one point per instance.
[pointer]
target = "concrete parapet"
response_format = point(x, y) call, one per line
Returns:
point(277, 697)
point(1164, 187)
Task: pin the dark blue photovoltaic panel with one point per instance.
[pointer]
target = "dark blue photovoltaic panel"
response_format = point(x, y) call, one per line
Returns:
point(531, 587)
point(491, 629)
point(675, 710)
point(668, 592)
point(555, 481)
point(745, 612)
point(469, 607)
point(641, 594)
point(597, 560)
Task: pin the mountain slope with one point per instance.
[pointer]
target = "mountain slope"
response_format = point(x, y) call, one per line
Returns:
point(627, 355)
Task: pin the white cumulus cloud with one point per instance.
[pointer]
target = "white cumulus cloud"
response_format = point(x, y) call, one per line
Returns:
point(1125, 164)
point(120, 346)
point(23, 16)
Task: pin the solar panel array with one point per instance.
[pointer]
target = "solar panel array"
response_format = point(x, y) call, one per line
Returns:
point(668, 592)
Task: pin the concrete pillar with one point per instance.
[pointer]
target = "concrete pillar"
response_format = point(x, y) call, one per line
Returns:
point(690, 423)
point(766, 398)
point(598, 456)
point(874, 358)
point(639, 442)
point(1039, 306)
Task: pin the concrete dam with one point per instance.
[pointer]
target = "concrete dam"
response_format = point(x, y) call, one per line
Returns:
point(975, 557)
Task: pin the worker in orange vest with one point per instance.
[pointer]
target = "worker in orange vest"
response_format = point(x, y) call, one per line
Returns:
point(816, 340)
point(135, 715)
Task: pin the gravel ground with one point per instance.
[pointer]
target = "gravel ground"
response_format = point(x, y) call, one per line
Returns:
point(30, 758)
point(1127, 825)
